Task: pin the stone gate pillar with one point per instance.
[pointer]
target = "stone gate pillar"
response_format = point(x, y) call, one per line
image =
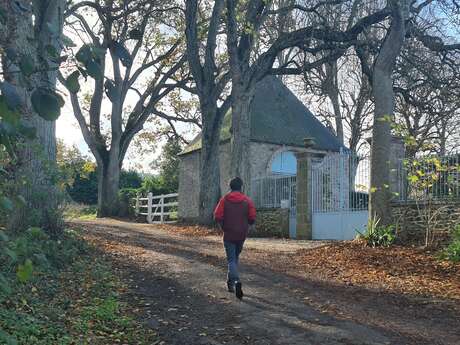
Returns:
point(304, 228)
point(304, 218)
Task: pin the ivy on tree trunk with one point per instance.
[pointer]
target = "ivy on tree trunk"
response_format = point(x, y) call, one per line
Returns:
point(33, 43)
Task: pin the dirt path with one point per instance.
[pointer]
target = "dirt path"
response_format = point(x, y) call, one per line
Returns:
point(181, 280)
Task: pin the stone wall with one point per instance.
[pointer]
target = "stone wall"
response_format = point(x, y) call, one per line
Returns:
point(411, 224)
point(262, 155)
point(271, 223)
point(189, 181)
point(189, 186)
point(225, 158)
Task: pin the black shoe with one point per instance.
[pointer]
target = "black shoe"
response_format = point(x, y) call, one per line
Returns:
point(239, 291)
point(231, 287)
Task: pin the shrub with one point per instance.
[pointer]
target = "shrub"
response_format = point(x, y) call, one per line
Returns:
point(84, 188)
point(127, 203)
point(377, 235)
point(80, 211)
point(452, 252)
point(154, 185)
point(130, 179)
point(27, 255)
point(61, 291)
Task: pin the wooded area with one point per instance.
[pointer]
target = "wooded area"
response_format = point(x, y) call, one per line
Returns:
point(143, 73)
point(134, 58)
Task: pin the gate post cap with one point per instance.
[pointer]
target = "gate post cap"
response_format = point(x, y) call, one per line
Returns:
point(309, 142)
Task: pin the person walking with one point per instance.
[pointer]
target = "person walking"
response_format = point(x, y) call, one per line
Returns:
point(235, 212)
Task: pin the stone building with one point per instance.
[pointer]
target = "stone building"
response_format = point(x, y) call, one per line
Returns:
point(280, 123)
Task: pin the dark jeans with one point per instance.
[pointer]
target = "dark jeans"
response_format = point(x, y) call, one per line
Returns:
point(233, 250)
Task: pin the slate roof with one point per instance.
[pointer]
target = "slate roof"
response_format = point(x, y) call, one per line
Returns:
point(279, 117)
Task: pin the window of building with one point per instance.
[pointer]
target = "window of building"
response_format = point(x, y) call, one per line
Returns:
point(284, 163)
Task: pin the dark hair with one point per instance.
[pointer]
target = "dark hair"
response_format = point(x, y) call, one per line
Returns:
point(236, 183)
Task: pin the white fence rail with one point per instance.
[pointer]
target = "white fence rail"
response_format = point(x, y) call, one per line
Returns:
point(158, 209)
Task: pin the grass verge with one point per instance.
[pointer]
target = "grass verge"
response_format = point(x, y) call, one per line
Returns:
point(80, 212)
point(63, 292)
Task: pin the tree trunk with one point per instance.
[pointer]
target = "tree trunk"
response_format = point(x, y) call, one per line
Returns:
point(380, 150)
point(442, 133)
point(242, 92)
point(241, 132)
point(209, 163)
point(356, 121)
point(332, 90)
point(380, 195)
point(108, 187)
point(36, 172)
point(207, 86)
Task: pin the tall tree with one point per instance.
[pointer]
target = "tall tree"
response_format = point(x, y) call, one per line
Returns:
point(251, 56)
point(134, 52)
point(32, 43)
point(351, 94)
point(384, 54)
point(211, 78)
point(323, 43)
point(380, 196)
point(209, 68)
point(406, 25)
point(427, 88)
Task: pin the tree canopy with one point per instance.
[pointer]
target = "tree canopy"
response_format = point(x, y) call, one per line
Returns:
point(139, 69)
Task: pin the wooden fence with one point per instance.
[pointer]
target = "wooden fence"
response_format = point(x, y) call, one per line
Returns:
point(158, 209)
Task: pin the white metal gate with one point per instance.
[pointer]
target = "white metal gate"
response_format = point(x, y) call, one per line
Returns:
point(339, 186)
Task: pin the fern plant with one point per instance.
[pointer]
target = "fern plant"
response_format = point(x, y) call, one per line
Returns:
point(377, 235)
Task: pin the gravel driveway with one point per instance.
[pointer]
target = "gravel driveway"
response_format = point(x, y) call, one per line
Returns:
point(181, 281)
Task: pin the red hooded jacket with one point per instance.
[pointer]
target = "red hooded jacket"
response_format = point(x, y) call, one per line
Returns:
point(234, 212)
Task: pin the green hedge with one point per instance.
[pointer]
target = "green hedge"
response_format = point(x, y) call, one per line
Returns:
point(126, 202)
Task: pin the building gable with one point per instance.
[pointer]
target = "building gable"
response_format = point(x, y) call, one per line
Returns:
point(279, 117)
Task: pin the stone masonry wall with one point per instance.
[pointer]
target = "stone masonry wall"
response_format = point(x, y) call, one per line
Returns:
point(262, 155)
point(189, 186)
point(189, 181)
point(225, 159)
point(272, 222)
point(411, 224)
